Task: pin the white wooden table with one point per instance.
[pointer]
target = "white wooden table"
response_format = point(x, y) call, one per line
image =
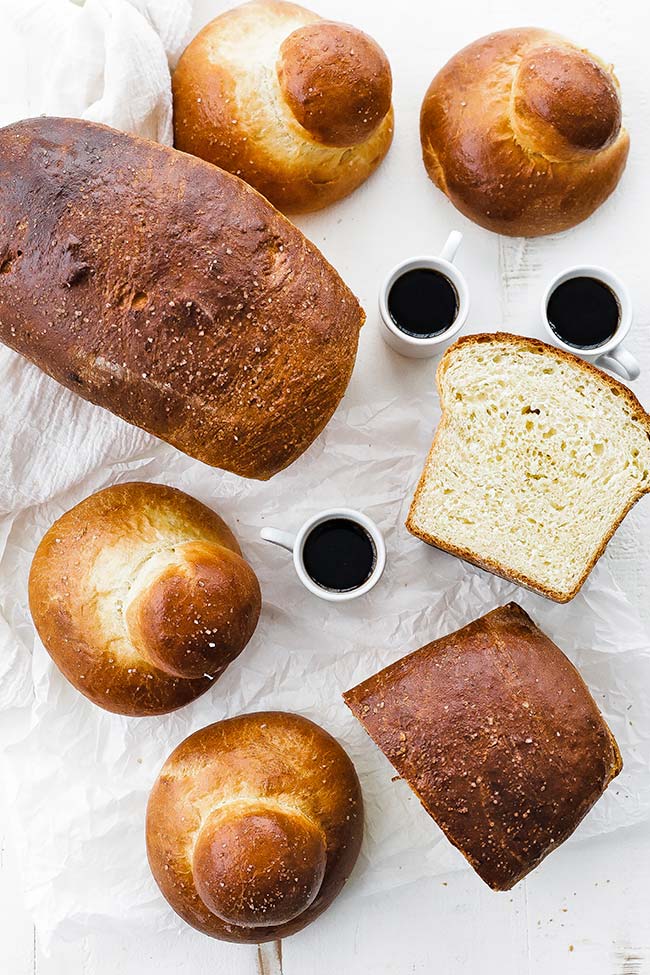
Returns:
point(586, 910)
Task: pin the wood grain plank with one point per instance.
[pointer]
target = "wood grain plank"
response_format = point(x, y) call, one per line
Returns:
point(632, 961)
point(17, 936)
point(269, 958)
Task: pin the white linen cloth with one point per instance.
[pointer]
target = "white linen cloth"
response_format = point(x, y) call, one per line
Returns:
point(77, 777)
point(107, 61)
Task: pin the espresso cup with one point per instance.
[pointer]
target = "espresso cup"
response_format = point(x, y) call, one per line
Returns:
point(425, 346)
point(338, 545)
point(608, 352)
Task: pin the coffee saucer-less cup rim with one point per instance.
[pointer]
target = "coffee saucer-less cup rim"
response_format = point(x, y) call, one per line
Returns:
point(614, 283)
point(368, 525)
point(451, 272)
point(295, 544)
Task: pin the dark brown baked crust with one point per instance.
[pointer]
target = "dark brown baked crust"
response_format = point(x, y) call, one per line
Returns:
point(522, 131)
point(253, 826)
point(497, 734)
point(170, 293)
point(142, 598)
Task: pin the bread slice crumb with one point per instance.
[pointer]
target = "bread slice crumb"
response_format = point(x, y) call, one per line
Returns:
point(537, 459)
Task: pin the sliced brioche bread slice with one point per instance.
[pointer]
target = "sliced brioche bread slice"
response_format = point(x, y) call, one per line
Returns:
point(537, 459)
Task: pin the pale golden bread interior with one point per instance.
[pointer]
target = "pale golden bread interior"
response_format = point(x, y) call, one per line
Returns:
point(537, 459)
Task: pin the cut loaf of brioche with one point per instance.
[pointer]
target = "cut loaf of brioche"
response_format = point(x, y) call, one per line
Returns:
point(537, 459)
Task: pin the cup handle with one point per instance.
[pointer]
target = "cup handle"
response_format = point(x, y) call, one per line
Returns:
point(283, 539)
point(452, 244)
point(620, 361)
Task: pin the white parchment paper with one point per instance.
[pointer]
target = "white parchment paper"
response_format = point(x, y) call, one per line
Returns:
point(78, 778)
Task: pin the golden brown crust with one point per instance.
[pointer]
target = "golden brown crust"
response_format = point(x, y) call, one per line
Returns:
point(142, 598)
point(171, 293)
point(254, 825)
point(297, 106)
point(522, 131)
point(288, 850)
point(336, 81)
point(565, 102)
point(497, 734)
point(490, 565)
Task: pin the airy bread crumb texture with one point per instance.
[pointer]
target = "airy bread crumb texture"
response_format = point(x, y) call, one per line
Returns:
point(536, 461)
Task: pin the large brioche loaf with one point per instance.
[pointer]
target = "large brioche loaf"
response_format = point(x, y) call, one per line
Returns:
point(171, 293)
point(537, 459)
point(497, 734)
point(253, 826)
point(298, 106)
point(142, 598)
point(523, 132)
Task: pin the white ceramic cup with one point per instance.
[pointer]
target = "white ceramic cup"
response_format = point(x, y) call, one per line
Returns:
point(410, 345)
point(296, 544)
point(610, 354)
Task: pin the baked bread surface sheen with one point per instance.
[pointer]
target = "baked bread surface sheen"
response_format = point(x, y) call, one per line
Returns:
point(497, 734)
point(253, 826)
point(523, 132)
point(142, 598)
point(171, 293)
point(298, 106)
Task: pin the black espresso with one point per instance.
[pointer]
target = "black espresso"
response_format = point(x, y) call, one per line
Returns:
point(583, 312)
point(423, 303)
point(339, 555)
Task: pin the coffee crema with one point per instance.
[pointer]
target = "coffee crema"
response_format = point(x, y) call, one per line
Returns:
point(339, 555)
point(423, 303)
point(583, 312)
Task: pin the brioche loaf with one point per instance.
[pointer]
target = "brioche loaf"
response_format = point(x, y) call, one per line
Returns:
point(171, 293)
point(297, 106)
point(142, 598)
point(537, 459)
point(253, 826)
point(498, 736)
point(522, 130)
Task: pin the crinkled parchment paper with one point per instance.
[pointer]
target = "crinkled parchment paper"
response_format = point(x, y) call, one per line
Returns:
point(78, 778)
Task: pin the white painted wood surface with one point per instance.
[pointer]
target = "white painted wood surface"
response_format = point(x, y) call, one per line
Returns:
point(586, 910)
